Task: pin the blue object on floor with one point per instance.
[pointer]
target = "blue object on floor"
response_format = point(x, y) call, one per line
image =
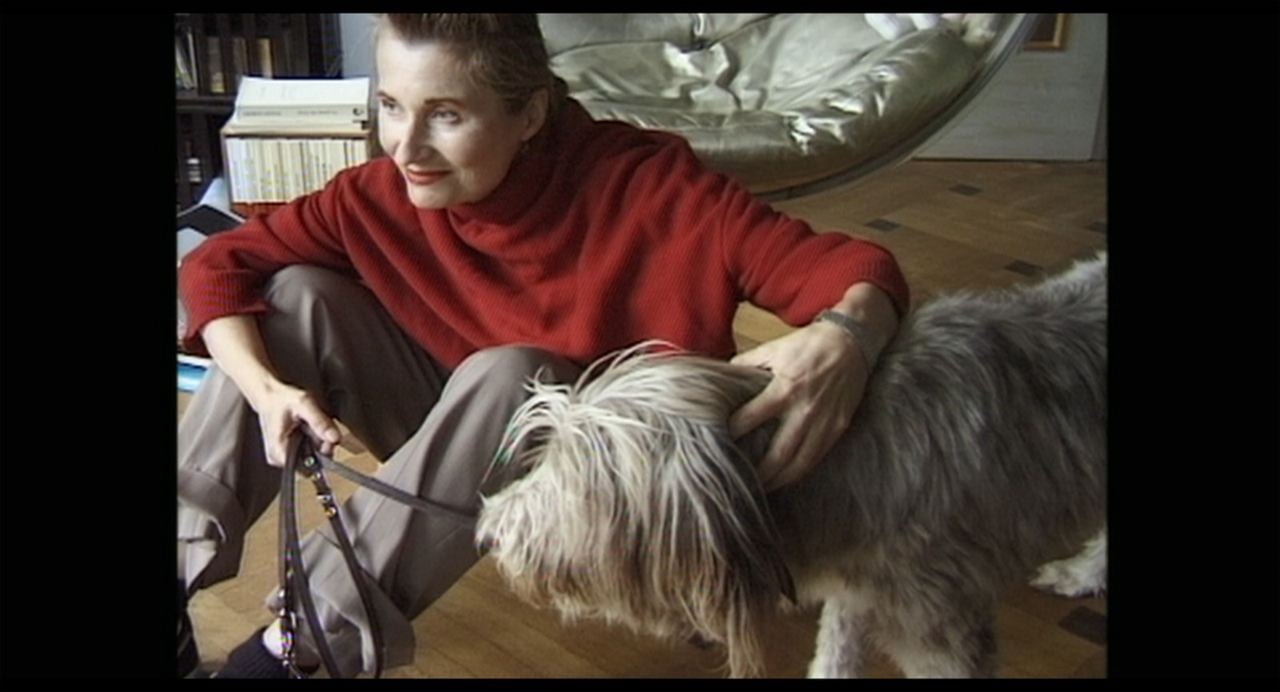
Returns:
point(190, 376)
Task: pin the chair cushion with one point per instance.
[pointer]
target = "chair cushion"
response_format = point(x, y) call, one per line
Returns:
point(775, 100)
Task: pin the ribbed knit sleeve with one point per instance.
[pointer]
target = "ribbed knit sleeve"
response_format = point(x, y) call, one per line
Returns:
point(225, 274)
point(778, 263)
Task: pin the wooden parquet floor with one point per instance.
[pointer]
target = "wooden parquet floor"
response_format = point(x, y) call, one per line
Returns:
point(951, 225)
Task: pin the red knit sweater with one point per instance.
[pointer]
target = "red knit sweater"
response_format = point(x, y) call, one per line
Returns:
point(602, 236)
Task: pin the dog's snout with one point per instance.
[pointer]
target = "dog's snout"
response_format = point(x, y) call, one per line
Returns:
point(487, 543)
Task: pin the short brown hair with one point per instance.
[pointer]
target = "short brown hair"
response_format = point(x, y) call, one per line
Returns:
point(504, 52)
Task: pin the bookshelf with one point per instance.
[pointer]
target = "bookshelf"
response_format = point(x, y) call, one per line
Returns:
point(215, 50)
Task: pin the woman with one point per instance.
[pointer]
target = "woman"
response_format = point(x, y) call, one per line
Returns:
point(504, 234)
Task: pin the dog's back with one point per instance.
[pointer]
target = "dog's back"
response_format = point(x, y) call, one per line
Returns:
point(981, 439)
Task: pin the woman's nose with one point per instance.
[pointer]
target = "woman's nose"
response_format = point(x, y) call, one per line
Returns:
point(415, 143)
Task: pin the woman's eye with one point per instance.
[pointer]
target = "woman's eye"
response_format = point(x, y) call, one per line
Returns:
point(389, 106)
point(446, 116)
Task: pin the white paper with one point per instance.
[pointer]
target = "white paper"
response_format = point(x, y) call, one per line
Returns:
point(256, 91)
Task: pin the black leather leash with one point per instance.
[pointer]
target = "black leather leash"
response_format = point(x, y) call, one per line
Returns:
point(295, 587)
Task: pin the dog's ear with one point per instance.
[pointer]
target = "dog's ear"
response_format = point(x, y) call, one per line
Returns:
point(725, 548)
point(710, 536)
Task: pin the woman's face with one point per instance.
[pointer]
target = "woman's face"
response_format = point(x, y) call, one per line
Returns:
point(452, 140)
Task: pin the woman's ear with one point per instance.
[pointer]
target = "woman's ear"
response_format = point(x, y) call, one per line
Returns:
point(535, 114)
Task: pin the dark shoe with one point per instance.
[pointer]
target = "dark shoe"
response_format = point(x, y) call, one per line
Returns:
point(188, 653)
point(252, 660)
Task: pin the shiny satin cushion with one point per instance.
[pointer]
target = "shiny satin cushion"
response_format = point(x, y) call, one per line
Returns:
point(563, 32)
point(775, 100)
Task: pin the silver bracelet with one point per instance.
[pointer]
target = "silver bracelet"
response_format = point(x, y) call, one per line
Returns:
point(861, 333)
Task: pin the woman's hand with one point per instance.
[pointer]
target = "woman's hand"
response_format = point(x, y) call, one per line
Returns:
point(236, 346)
point(819, 376)
point(282, 410)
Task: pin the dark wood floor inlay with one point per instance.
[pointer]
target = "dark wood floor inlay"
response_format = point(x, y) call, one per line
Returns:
point(1086, 624)
point(965, 189)
point(1087, 255)
point(1025, 268)
point(883, 225)
point(1098, 227)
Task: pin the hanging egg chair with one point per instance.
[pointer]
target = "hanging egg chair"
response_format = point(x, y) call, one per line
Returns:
point(789, 104)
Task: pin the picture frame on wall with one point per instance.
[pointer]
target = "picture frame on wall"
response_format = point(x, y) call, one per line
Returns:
point(1049, 32)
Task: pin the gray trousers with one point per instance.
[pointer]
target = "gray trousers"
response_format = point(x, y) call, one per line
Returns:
point(436, 432)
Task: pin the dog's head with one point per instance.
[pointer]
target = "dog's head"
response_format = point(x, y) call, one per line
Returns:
point(635, 506)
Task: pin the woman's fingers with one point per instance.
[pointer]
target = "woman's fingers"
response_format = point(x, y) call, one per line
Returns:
point(818, 381)
point(318, 425)
point(809, 448)
point(275, 437)
point(282, 417)
point(782, 449)
point(770, 403)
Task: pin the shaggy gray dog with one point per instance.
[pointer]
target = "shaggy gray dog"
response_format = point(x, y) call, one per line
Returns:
point(978, 453)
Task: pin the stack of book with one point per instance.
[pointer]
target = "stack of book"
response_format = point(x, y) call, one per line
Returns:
point(289, 137)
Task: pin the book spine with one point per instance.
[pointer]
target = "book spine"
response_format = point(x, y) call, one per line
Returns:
point(248, 171)
point(240, 191)
point(184, 69)
point(301, 114)
point(235, 169)
point(253, 157)
point(275, 178)
point(297, 159)
point(244, 177)
point(289, 164)
point(285, 176)
point(322, 168)
point(304, 165)
point(266, 171)
point(258, 154)
point(189, 34)
point(217, 80)
point(239, 61)
point(314, 181)
point(264, 58)
point(338, 157)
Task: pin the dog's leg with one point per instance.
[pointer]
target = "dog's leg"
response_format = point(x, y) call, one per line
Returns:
point(1082, 575)
point(940, 624)
point(842, 631)
point(951, 650)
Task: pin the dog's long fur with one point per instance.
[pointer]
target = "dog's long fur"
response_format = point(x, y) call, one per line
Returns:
point(977, 453)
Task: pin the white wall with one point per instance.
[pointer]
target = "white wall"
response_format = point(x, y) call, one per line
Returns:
point(357, 44)
point(1046, 105)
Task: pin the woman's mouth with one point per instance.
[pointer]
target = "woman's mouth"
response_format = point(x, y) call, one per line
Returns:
point(424, 177)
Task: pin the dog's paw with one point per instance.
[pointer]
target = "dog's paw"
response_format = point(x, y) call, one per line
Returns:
point(1071, 578)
